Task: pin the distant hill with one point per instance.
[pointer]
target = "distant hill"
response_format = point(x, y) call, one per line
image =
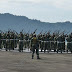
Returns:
point(9, 21)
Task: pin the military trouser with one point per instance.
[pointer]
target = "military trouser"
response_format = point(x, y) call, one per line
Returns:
point(4, 43)
point(21, 46)
point(12, 45)
point(8, 45)
point(15, 43)
point(69, 47)
point(45, 47)
point(63, 46)
point(60, 47)
point(55, 46)
point(42, 46)
point(0, 44)
point(52, 45)
point(48, 46)
point(33, 50)
point(39, 44)
point(27, 44)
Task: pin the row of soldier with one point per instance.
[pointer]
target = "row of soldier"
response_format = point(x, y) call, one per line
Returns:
point(47, 42)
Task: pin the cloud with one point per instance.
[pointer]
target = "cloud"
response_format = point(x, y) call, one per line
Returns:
point(64, 4)
point(58, 4)
point(24, 1)
point(46, 10)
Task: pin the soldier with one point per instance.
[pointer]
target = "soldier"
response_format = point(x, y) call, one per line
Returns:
point(21, 38)
point(27, 41)
point(63, 40)
point(45, 43)
point(4, 41)
point(15, 41)
point(48, 42)
point(66, 36)
point(42, 43)
point(61, 43)
point(12, 41)
point(55, 43)
point(39, 38)
point(30, 37)
point(69, 43)
point(52, 43)
point(35, 45)
point(0, 41)
point(8, 42)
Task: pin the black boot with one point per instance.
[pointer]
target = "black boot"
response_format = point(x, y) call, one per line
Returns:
point(32, 56)
point(38, 57)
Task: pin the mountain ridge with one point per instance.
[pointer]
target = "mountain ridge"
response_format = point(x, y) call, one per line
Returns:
point(14, 22)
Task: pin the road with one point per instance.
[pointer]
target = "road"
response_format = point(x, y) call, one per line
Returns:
point(22, 62)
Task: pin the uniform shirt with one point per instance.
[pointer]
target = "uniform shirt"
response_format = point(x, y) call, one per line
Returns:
point(34, 40)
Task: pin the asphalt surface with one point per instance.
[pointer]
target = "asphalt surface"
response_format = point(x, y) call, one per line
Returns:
point(22, 62)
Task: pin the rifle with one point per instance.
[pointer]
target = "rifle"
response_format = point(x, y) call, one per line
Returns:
point(60, 34)
point(49, 31)
point(28, 32)
point(35, 31)
point(41, 32)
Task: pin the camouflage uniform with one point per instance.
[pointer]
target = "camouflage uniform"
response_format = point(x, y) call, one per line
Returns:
point(61, 43)
point(48, 43)
point(69, 44)
point(4, 41)
point(39, 38)
point(52, 42)
point(34, 42)
point(55, 44)
point(21, 42)
point(27, 41)
point(63, 40)
point(12, 41)
point(0, 41)
point(45, 44)
point(15, 41)
point(42, 43)
point(8, 42)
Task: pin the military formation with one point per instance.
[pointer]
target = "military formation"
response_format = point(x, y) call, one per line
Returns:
point(46, 42)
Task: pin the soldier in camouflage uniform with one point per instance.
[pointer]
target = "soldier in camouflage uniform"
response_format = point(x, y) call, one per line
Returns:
point(30, 37)
point(69, 43)
point(21, 42)
point(15, 41)
point(55, 43)
point(48, 42)
point(12, 41)
point(0, 41)
point(45, 43)
point(52, 43)
point(42, 43)
point(61, 43)
point(8, 42)
point(35, 45)
point(27, 41)
point(4, 41)
point(39, 38)
point(63, 40)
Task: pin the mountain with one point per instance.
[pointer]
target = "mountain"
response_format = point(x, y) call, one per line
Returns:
point(9, 21)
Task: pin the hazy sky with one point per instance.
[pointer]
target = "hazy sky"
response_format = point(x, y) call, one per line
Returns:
point(44, 10)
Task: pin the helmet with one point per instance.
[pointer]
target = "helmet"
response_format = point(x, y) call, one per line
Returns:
point(34, 35)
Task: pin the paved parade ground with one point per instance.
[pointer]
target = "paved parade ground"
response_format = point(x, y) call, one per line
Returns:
point(22, 62)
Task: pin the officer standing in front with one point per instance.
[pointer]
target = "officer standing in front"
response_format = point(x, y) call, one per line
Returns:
point(35, 45)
